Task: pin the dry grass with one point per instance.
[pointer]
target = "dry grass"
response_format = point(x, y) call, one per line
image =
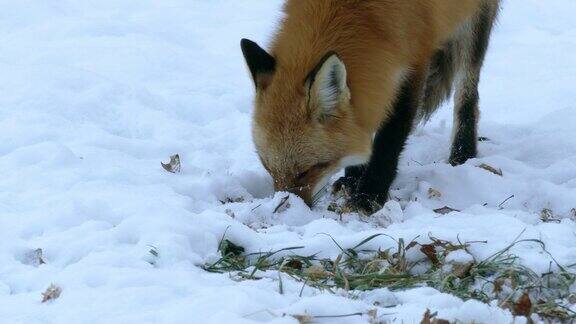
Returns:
point(500, 277)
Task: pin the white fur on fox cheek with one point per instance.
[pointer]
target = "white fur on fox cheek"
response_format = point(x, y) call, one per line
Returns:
point(353, 160)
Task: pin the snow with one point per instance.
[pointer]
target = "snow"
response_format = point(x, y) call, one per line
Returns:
point(96, 94)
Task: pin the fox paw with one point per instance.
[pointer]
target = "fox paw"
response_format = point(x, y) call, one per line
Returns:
point(365, 203)
point(347, 184)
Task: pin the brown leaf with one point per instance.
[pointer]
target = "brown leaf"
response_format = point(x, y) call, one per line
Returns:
point(51, 293)
point(39, 256)
point(498, 284)
point(346, 282)
point(174, 165)
point(373, 315)
point(303, 319)
point(461, 270)
point(445, 210)
point(491, 169)
point(294, 264)
point(547, 216)
point(430, 251)
point(317, 273)
point(230, 213)
point(434, 194)
point(229, 200)
point(440, 321)
point(427, 319)
point(34, 258)
point(523, 307)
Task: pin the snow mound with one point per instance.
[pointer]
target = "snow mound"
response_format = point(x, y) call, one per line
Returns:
point(95, 95)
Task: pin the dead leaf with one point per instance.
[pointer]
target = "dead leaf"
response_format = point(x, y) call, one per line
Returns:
point(430, 251)
point(51, 293)
point(445, 210)
point(230, 213)
point(547, 216)
point(236, 200)
point(174, 165)
point(294, 264)
point(303, 319)
point(373, 315)
point(491, 169)
point(461, 270)
point(498, 285)
point(523, 307)
point(440, 321)
point(429, 318)
point(434, 194)
point(317, 273)
point(346, 282)
point(34, 258)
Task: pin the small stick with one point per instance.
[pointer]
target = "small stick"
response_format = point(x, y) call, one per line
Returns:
point(505, 201)
point(282, 203)
point(338, 316)
point(420, 164)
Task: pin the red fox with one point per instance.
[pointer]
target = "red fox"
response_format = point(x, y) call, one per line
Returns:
point(345, 81)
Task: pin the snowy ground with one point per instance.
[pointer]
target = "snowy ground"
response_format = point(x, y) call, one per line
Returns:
point(95, 94)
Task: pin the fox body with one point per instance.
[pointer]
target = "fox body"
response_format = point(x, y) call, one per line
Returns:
point(344, 82)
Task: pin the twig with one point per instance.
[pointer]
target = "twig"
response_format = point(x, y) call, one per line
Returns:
point(420, 164)
point(282, 203)
point(505, 201)
point(338, 316)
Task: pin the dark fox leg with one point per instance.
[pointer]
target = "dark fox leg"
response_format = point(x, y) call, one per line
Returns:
point(466, 111)
point(438, 88)
point(349, 181)
point(379, 173)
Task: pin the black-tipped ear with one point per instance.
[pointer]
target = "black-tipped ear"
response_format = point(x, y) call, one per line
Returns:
point(260, 63)
point(328, 88)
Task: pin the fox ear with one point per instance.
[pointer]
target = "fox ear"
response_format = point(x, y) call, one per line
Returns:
point(327, 86)
point(260, 63)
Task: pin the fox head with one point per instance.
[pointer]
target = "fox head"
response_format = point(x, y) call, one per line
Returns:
point(304, 126)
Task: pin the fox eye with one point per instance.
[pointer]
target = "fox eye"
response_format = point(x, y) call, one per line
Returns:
point(317, 167)
point(303, 175)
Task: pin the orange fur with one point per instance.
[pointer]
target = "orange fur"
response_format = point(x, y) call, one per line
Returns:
point(376, 39)
point(379, 41)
